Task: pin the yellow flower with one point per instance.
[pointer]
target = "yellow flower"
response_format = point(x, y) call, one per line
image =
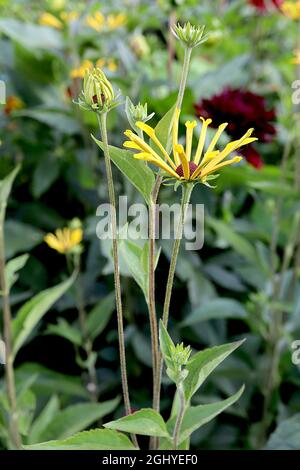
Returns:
point(69, 16)
point(112, 65)
point(296, 59)
point(291, 9)
point(12, 103)
point(116, 21)
point(96, 21)
point(47, 19)
point(100, 63)
point(79, 72)
point(182, 166)
point(64, 240)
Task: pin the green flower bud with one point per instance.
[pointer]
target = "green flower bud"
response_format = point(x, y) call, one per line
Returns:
point(190, 36)
point(136, 113)
point(98, 94)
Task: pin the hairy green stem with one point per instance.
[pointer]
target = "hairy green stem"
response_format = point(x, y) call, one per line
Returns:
point(154, 196)
point(180, 416)
point(9, 367)
point(112, 199)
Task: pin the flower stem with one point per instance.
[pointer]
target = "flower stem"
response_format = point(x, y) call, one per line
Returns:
point(9, 369)
point(154, 196)
point(180, 416)
point(186, 194)
point(112, 199)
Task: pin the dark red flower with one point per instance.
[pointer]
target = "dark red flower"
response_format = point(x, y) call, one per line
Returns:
point(252, 156)
point(264, 5)
point(242, 110)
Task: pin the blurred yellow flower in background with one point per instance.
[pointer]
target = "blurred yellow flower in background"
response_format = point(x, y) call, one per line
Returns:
point(69, 16)
point(181, 166)
point(13, 103)
point(79, 72)
point(296, 59)
point(116, 21)
point(96, 21)
point(47, 19)
point(291, 9)
point(64, 240)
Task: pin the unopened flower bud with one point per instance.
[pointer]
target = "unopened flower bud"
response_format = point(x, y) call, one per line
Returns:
point(190, 36)
point(98, 94)
point(136, 113)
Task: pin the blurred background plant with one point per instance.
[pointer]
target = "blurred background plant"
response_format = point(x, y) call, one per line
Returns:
point(245, 283)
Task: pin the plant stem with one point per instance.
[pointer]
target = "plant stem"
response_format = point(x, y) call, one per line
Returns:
point(151, 295)
point(9, 369)
point(180, 416)
point(186, 194)
point(112, 200)
point(154, 196)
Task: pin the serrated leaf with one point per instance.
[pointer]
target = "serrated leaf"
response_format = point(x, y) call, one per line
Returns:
point(163, 128)
point(166, 343)
point(136, 171)
point(76, 418)
point(197, 416)
point(146, 422)
point(201, 365)
point(97, 439)
point(32, 311)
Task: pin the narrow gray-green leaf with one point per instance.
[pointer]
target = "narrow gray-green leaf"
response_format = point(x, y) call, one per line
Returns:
point(76, 418)
point(6, 184)
point(99, 316)
point(32, 311)
point(44, 418)
point(13, 267)
point(287, 435)
point(216, 308)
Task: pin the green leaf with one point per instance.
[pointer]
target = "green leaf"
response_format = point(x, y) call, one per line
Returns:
point(201, 365)
point(197, 416)
point(49, 380)
point(44, 418)
point(287, 435)
point(146, 422)
point(32, 311)
point(60, 120)
point(236, 241)
point(44, 175)
point(99, 316)
point(20, 237)
point(65, 330)
point(136, 171)
point(31, 36)
point(76, 418)
point(166, 343)
point(216, 308)
point(163, 128)
point(131, 253)
point(6, 185)
point(12, 268)
point(97, 439)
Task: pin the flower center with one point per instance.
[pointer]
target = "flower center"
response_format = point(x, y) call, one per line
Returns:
point(192, 166)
